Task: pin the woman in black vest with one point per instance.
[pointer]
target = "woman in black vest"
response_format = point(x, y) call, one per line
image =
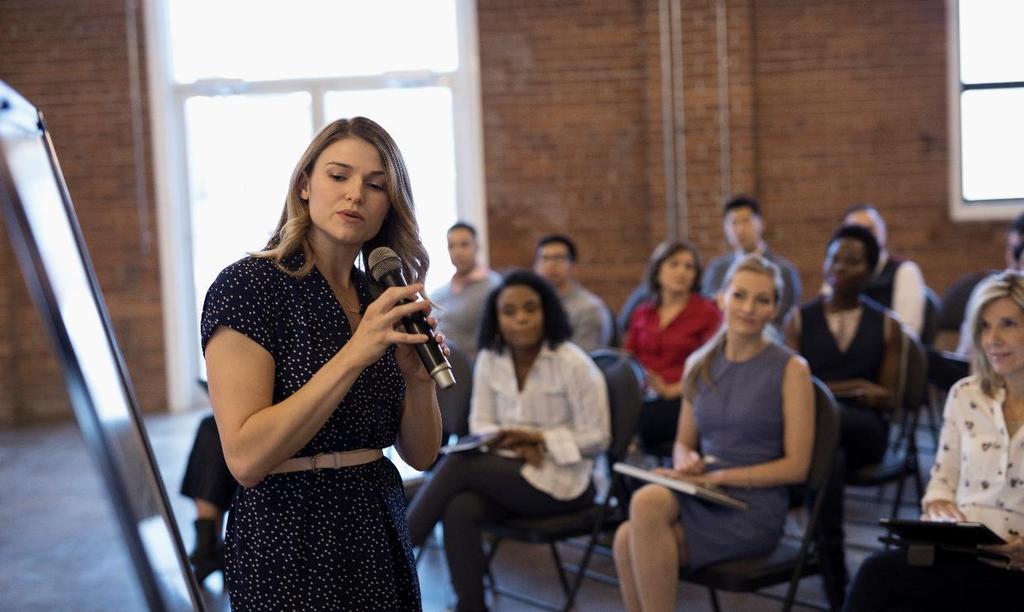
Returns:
point(853, 345)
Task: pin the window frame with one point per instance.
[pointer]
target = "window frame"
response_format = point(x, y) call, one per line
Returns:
point(170, 168)
point(961, 209)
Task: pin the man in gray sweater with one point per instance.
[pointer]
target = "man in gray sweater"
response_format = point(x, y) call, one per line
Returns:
point(461, 300)
point(591, 320)
point(744, 229)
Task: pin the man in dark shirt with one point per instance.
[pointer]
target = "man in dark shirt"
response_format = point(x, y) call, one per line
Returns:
point(744, 229)
point(897, 283)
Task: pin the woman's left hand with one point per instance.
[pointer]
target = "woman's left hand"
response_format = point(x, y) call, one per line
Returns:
point(409, 362)
point(1014, 549)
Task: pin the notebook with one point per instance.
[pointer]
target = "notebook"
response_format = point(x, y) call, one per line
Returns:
point(705, 493)
point(470, 442)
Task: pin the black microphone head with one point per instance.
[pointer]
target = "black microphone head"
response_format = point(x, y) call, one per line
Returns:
point(383, 260)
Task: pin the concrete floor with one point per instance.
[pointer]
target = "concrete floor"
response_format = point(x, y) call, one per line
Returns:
point(60, 548)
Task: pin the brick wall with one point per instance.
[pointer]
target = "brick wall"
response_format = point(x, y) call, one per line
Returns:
point(565, 107)
point(851, 106)
point(72, 59)
point(829, 103)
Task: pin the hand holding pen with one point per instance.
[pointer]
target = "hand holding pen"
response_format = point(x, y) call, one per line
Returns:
point(691, 463)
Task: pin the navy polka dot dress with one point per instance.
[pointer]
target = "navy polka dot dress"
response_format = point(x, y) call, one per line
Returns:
point(326, 540)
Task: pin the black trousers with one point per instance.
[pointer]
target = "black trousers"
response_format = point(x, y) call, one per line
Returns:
point(863, 438)
point(954, 582)
point(207, 476)
point(467, 491)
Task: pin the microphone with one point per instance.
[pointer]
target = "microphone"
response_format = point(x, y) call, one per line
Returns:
point(386, 268)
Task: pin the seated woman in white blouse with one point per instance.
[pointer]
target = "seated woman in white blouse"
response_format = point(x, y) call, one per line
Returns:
point(978, 474)
point(549, 404)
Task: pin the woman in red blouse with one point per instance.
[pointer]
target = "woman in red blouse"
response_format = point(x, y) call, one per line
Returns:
point(662, 334)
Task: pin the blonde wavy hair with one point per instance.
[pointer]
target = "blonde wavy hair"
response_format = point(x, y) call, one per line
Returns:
point(698, 366)
point(1002, 284)
point(399, 230)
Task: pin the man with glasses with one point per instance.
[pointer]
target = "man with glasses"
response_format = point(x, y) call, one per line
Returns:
point(591, 320)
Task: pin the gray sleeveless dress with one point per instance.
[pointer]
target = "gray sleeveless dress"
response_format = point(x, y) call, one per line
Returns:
point(740, 421)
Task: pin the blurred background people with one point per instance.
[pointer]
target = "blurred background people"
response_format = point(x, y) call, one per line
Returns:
point(747, 426)
point(210, 485)
point(663, 331)
point(978, 475)
point(461, 301)
point(590, 318)
point(744, 230)
point(548, 402)
point(853, 345)
point(895, 283)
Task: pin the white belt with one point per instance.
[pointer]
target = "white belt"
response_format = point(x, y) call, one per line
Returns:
point(331, 461)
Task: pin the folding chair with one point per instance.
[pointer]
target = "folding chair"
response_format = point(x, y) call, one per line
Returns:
point(901, 458)
point(623, 376)
point(454, 401)
point(789, 562)
point(454, 404)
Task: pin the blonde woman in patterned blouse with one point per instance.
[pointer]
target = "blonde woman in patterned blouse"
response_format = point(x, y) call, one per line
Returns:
point(978, 473)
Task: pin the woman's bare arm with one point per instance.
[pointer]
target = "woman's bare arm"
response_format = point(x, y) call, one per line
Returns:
point(258, 435)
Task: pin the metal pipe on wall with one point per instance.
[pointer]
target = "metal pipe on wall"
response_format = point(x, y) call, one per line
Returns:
point(724, 133)
point(682, 200)
point(667, 119)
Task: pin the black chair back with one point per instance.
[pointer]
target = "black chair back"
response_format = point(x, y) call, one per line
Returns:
point(914, 393)
point(954, 301)
point(930, 324)
point(826, 436)
point(454, 401)
point(624, 377)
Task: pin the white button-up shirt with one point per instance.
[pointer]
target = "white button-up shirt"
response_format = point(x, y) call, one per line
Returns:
point(977, 464)
point(564, 398)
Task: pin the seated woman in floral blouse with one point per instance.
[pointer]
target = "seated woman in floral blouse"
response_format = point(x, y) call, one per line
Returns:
point(978, 474)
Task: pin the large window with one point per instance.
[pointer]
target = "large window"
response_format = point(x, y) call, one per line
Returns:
point(235, 102)
point(987, 108)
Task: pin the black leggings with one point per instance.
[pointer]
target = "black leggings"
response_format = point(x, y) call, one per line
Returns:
point(467, 491)
point(863, 438)
point(207, 476)
point(953, 582)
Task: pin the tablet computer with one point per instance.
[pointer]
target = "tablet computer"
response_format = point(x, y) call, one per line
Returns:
point(961, 535)
point(470, 442)
point(705, 493)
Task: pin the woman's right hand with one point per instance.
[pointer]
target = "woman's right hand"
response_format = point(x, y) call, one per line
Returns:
point(942, 510)
point(691, 463)
point(663, 389)
point(379, 327)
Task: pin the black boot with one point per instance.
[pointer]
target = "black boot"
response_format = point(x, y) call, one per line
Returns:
point(831, 537)
point(833, 573)
point(208, 554)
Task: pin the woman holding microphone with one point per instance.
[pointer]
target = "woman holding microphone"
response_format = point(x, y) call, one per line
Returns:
point(310, 379)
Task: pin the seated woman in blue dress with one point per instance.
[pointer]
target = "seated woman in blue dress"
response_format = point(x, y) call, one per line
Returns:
point(748, 405)
point(978, 475)
point(548, 402)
